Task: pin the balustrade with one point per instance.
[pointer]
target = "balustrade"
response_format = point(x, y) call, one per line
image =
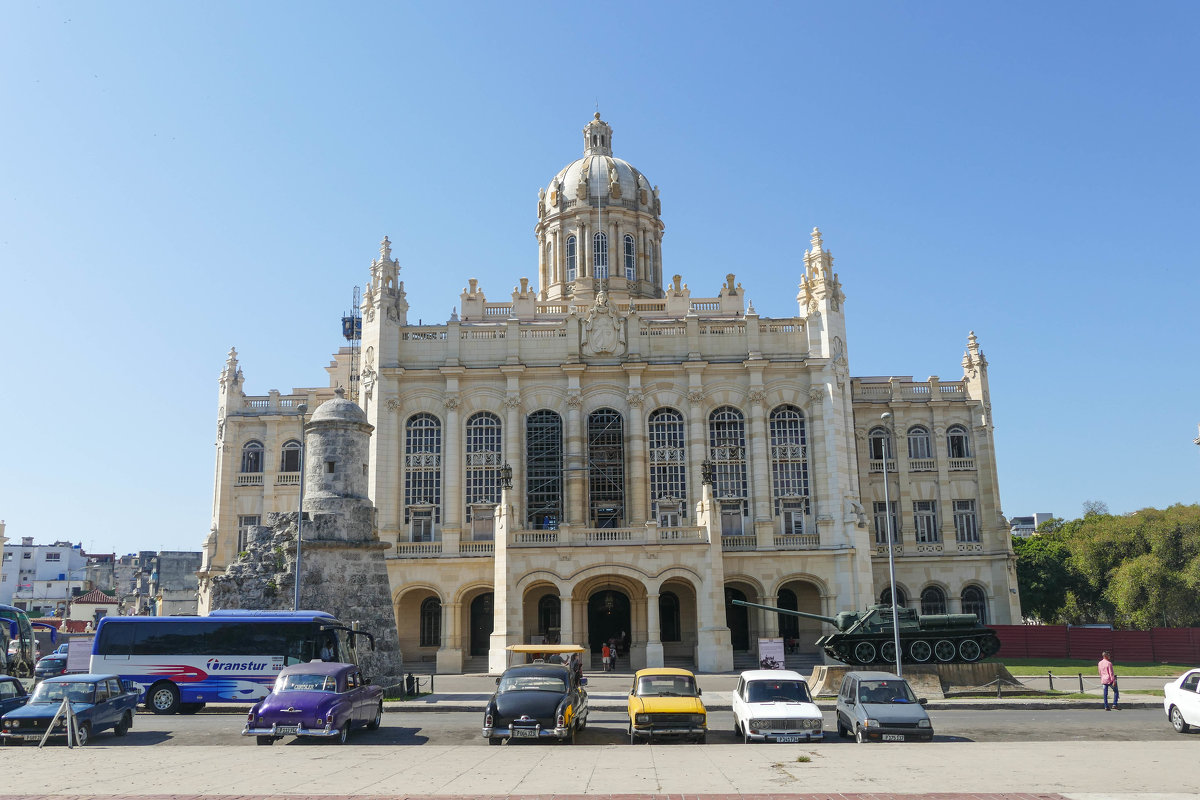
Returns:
point(922, 465)
point(876, 465)
point(739, 542)
point(797, 541)
point(477, 548)
point(961, 464)
point(418, 549)
point(287, 479)
point(250, 479)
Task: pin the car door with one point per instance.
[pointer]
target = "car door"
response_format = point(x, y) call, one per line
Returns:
point(12, 695)
point(355, 698)
point(739, 705)
point(102, 708)
point(1189, 698)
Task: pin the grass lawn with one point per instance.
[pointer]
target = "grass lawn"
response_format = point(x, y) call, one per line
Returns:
point(1070, 667)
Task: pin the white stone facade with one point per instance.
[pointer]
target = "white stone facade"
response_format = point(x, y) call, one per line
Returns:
point(610, 397)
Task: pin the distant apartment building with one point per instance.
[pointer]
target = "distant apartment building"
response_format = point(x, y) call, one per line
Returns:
point(42, 578)
point(1026, 526)
point(158, 583)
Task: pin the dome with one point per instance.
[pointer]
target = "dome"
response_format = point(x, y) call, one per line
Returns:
point(598, 174)
point(338, 409)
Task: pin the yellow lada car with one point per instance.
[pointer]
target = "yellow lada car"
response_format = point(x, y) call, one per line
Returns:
point(665, 703)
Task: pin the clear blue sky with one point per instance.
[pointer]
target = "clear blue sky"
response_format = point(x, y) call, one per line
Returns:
point(179, 178)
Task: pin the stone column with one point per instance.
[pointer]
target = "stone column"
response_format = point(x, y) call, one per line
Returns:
point(636, 457)
point(450, 651)
point(770, 619)
point(713, 644)
point(566, 619)
point(574, 457)
point(760, 473)
point(654, 648)
point(452, 496)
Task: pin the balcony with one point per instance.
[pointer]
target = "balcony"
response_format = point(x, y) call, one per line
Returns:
point(476, 548)
point(961, 464)
point(417, 549)
point(738, 543)
point(250, 479)
point(800, 541)
point(876, 465)
point(922, 465)
point(287, 479)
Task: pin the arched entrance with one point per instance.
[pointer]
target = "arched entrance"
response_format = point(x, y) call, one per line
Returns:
point(608, 618)
point(801, 633)
point(481, 624)
point(738, 619)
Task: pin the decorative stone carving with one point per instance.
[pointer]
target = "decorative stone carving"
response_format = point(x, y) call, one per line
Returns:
point(574, 401)
point(392, 404)
point(756, 396)
point(451, 402)
point(512, 401)
point(634, 399)
point(367, 380)
point(603, 329)
point(854, 512)
point(695, 397)
point(816, 394)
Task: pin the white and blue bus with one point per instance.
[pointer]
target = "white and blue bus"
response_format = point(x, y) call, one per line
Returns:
point(181, 663)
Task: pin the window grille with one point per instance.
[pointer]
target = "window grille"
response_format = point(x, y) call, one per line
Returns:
point(423, 467)
point(974, 602)
point(933, 601)
point(543, 470)
point(668, 462)
point(727, 452)
point(243, 534)
point(789, 460)
point(885, 598)
point(431, 622)
point(482, 462)
point(606, 468)
point(600, 255)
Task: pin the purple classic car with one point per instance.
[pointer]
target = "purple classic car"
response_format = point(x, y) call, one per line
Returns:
point(324, 699)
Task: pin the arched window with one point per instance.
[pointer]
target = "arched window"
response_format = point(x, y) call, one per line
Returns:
point(481, 473)
point(885, 597)
point(606, 468)
point(572, 259)
point(252, 457)
point(958, 442)
point(543, 470)
point(600, 255)
point(727, 452)
point(918, 443)
point(974, 602)
point(668, 466)
point(933, 600)
point(668, 617)
point(789, 467)
point(290, 462)
point(630, 259)
point(422, 475)
point(550, 271)
point(431, 622)
point(549, 612)
point(879, 441)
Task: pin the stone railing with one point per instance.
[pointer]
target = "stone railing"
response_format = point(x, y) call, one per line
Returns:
point(876, 465)
point(417, 549)
point(603, 537)
point(797, 541)
point(909, 390)
point(733, 543)
point(287, 479)
point(250, 479)
point(922, 465)
point(476, 548)
point(961, 464)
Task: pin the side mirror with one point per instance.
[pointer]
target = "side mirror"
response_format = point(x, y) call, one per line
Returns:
point(699, 691)
point(922, 700)
point(497, 681)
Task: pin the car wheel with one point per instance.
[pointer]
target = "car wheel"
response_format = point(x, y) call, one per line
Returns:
point(858, 735)
point(267, 740)
point(374, 724)
point(1177, 721)
point(843, 731)
point(163, 698)
point(84, 732)
point(344, 733)
point(122, 727)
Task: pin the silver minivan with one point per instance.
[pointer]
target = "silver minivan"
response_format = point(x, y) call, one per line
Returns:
point(881, 707)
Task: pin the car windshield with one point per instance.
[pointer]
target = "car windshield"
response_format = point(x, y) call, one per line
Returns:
point(777, 692)
point(533, 683)
point(666, 686)
point(55, 692)
point(306, 683)
point(894, 691)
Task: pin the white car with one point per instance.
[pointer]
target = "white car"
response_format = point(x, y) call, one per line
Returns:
point(1181, 701)
point(773, 705)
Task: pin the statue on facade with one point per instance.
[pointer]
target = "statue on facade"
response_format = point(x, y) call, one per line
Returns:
point(603, 329)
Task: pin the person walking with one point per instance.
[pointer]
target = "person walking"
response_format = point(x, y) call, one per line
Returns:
point(1108, 678)
point(606, 656)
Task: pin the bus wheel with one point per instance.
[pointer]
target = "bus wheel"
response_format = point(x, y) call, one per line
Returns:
point(163, 698)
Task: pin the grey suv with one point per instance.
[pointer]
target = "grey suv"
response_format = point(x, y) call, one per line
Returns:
point(881, 707)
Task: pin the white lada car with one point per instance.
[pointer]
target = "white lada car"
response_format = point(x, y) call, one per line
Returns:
point(774, 705)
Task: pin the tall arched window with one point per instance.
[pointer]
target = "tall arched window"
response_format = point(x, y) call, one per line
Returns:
point(885, 597)
point(958, 442)
point(975, 602)
point(879, 441)
point(572, 258)
point(481, 473)
point(606, 468)
point(252, 456)
point(668, 618)
point(600, 255)
point(668, 466)
point(543, 470)
point(431, 622)
point(727, 452)
point(422, 475)
point(290, 460)
point(789, 467)
point(549, 265)
point(933, 600)
point(918, 442)
point(630, 259)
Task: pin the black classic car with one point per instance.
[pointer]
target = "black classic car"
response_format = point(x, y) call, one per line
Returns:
point(536, 701)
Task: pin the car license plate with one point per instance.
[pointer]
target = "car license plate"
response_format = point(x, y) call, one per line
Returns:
point(893, 737)
point(32, 737)
point(787, 739)
point(524, 732)
point(287, 729)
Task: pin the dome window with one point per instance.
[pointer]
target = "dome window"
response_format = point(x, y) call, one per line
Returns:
point(572, 259)
point(600, 256)
point(630, 259)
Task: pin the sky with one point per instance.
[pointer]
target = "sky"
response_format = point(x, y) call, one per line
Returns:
point(180, 178)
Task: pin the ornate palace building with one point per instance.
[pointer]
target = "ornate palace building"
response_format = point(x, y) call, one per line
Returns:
point(604, 455)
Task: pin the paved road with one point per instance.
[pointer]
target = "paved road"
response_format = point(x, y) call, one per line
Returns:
point(608, 728)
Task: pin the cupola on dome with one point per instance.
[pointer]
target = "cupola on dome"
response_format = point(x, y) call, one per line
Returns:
point(598, 177)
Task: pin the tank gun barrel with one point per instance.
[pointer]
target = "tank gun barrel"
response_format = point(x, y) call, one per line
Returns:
point(831, 620)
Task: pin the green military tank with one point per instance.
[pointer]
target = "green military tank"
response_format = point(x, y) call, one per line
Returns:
point(867, 637)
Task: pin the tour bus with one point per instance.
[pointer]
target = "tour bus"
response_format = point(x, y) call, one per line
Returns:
point(181, 663)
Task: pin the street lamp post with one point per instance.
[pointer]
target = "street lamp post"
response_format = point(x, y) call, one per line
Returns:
point(887, 515)
point(303, 408)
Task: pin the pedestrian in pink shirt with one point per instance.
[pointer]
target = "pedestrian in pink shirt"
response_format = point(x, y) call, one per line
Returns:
point(1108, 678)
